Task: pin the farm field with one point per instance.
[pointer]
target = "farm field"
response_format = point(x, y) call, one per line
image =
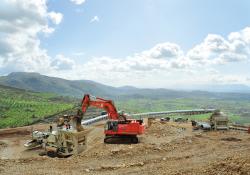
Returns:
point(20, 107)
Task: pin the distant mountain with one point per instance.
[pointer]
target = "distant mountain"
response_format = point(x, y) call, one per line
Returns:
point(76, 88)
point(42, 83)
point(239, 88)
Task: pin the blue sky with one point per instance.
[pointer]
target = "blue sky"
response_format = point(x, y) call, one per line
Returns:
point(131, 26)
point(144, 43)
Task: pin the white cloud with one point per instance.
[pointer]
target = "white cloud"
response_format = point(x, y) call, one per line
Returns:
point(48, 30)
point(163, 50)
point(166, 64)
point(55, 17)
point(78, 2)
point(20, 24)
point(62, 63)
point(214, 50)
point(217, 50)
point(95, 19)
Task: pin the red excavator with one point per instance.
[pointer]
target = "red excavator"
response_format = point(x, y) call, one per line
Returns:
point(117, 126)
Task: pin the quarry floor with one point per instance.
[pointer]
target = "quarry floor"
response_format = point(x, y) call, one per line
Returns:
point(165, 148)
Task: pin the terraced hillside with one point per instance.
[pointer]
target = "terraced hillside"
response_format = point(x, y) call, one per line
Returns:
point(21, 107)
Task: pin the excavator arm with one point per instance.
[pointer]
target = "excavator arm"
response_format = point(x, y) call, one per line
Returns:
point(107, 105)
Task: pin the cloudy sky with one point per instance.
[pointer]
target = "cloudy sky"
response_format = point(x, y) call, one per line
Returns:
point(144, 43)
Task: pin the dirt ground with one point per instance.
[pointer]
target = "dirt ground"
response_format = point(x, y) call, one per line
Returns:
point(165, 148)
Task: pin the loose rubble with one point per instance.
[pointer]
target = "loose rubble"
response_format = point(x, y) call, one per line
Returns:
point(165, 148)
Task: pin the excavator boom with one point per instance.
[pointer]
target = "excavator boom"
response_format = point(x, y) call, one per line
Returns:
point(107, 105)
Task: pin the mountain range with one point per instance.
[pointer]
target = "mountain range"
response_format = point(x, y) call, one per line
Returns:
point(76, 88)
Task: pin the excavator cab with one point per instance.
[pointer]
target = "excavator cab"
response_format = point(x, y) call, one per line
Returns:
point(111, 125)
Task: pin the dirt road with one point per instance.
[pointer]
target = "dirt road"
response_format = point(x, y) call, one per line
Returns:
point(166, 148)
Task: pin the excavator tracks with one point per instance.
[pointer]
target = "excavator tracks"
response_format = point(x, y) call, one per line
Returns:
point(121, 139)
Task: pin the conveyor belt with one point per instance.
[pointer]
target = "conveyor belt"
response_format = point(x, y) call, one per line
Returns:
point(153, 114)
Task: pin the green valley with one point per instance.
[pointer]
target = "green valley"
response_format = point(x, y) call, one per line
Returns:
point(21, 107)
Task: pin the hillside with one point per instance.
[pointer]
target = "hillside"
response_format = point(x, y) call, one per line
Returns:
point(41, 83)
point(76, 88)
point(20, 107)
